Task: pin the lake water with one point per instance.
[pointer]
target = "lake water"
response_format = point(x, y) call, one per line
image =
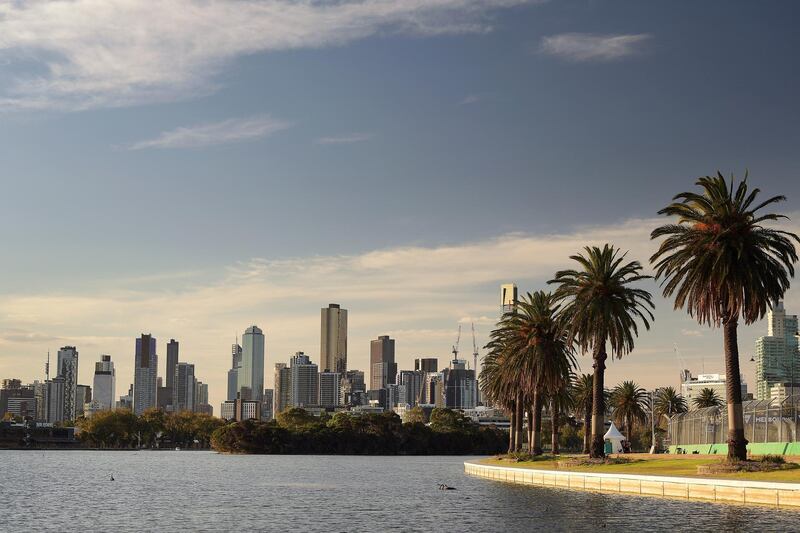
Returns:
point(204, 491)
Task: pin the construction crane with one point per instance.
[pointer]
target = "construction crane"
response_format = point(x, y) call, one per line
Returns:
point(455, 346)
point(475, 362)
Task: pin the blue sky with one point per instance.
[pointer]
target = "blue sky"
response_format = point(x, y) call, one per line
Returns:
point(189, 168)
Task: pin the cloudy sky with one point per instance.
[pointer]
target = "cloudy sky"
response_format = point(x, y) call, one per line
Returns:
point(189, 168)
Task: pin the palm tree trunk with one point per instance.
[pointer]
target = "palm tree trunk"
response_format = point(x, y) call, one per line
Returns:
point(554, 438)
point(737, 444)
point(512, 429)
point(530, 430)
point(518, 429)
point(587, 426)
point(536, 445)
point(598, 402)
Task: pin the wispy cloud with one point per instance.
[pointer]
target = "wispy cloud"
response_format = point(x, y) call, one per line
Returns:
point(85, 57)
point(470, 99)
point(592, 47)
point(225, 132)
point(345, 139)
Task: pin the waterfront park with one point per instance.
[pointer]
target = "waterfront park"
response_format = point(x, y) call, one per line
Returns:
point(721, 258)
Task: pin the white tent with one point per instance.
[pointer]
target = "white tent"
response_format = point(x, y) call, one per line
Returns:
point(615, 438)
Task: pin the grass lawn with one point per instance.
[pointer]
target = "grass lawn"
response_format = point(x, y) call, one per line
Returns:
point(655, 465)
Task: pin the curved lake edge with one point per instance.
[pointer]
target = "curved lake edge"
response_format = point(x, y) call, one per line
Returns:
point(776, 494)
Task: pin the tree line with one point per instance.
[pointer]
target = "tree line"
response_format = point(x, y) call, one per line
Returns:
point(295, 431)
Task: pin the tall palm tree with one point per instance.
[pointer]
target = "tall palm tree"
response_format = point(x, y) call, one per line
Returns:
point(669, 402)
point(601, 307)
point(538, 355)
point(629, 403)
point(560, 402)
point(707, 398)
point(722, 264)
point(582, 396)
point(499, 387)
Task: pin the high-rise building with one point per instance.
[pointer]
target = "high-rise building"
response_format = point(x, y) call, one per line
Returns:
point(68, 369)
point(267, 405)
point(413, 381)
point(459, 385)
point(304, 381)
point(251, 373)
point(383, 369)
point(333, 339)
point(54, 399)
point(508, 298)
point(126, 401)
point(12, 394)
point(351, 386)
point(145, 374)
point(329, 383)
point(163, 395)
point(426, 364)
point(201, 395)
point(233, 373)
point(283, 388)
point(184, 385)
point(104, 384)
point(83, 395)
point(777, 355)
point(172, 361)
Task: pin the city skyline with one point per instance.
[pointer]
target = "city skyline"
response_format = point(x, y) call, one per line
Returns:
point(437, 149)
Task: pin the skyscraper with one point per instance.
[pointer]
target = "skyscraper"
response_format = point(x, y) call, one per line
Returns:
point(83, 395)
point(250, 377)
point(333, 339)
point(54, 400)
point(777, 355)
point(414, 381)
point(233, 373)
point(304, 381)
point(459, 385)
point(68, 369)
point(351, 386)
point(426, 364)
point(172, 361)
point(201, 395)
point(145, 383)
point(283, 388)
point(105, 381)
point(184, 385)
point(329, 383)
point(508, 297)
point(383, 369)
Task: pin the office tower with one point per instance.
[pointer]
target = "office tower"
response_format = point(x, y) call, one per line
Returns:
point(12, 394)
point(145, 374)
point(267, 405)
point(105, 381)
point(352, 384)
point(251, 373)
point(459, 385)
point(427, 364)
point(201, 395)
point(777, 355)
point(163, 395)
point(83, 395)
point(329, 383)
point(233, 373)
point(68, 369)
point(40, 393)
point(55, 397)
point(126, 402)
point(508, 298)
point(172, 361)
point(304, 381)
point(432, 391)
point(184, 387)
point(283, 388)
point(383, 369)
point(413, 381)
point(333, 339)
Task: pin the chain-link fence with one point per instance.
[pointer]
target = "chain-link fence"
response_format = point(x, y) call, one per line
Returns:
point(764, 421)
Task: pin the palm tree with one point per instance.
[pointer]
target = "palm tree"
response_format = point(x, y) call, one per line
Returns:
point(707, 398)
point(560, 402)
point(669, 402)
point(582, 396)
point(629, 403)
point(498, 386)
point(537, 357)
point(722, 264)
point(600, 308)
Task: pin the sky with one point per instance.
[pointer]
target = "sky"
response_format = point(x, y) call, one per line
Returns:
point(189, 168)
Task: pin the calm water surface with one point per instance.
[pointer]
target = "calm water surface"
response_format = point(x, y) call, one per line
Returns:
point(204, 491)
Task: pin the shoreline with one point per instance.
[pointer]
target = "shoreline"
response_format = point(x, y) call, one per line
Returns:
point(775, 494)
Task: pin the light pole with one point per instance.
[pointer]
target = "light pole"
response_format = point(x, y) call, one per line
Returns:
point(652, 422)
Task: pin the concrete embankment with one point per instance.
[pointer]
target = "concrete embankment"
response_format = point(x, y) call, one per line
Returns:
point(716, 490)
